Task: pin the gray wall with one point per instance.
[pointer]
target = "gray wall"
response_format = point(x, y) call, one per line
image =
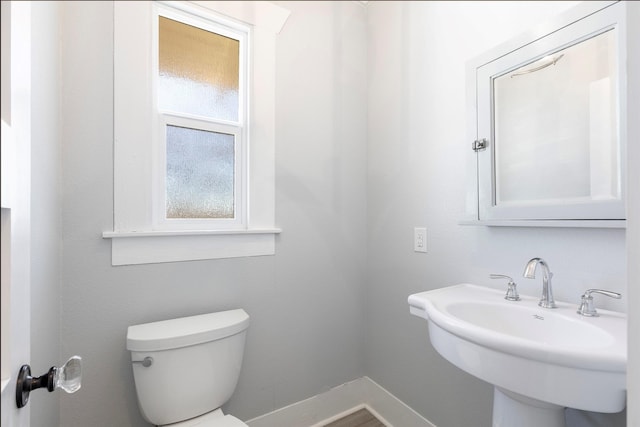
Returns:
point(416, 156)
point(370, 142)
point(306, 302)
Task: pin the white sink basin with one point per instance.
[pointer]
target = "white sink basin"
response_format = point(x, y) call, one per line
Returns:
point(554, 356)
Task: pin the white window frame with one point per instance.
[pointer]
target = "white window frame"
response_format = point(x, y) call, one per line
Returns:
point(166, 118)
point(160, 220)
point(137, 238)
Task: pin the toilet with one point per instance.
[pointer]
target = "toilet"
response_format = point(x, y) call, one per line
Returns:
point(185, 369)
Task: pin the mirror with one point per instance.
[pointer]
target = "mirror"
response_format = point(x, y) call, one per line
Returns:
point(555, 126)
point(549, 109)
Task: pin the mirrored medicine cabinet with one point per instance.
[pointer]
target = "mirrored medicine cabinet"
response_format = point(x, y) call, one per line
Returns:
point(546, 115)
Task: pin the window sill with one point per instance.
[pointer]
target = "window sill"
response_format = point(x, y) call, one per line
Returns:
point(595, 223)
point(150, 247)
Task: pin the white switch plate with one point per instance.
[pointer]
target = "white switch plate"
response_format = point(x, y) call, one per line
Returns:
point(420, 239)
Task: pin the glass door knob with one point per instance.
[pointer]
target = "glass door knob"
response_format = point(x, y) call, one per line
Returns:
point(68, 377)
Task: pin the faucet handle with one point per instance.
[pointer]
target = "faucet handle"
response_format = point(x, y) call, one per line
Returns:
point(512, 291)
point(587, 308)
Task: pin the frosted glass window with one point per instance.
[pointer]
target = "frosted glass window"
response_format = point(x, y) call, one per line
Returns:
point(200, 173)
point(198, 70)
point(555, 126)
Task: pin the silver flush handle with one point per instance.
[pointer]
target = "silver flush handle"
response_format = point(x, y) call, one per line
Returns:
point(146, 362)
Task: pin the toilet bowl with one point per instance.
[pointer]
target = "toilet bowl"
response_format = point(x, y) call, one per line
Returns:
point(211, 419)
point(185, 369)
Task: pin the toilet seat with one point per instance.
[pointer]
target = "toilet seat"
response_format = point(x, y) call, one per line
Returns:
point(211, 419)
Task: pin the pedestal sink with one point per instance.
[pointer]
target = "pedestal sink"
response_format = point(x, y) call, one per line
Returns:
point(538, 360)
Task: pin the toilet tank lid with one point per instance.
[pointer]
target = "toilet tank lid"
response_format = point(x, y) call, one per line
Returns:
point(186, 331)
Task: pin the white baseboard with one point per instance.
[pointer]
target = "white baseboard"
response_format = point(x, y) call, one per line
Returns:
point(343, 400)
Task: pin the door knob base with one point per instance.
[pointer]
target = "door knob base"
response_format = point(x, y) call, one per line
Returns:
point(26, 383)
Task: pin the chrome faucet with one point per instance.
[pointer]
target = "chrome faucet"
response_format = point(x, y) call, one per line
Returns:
point(547, 293)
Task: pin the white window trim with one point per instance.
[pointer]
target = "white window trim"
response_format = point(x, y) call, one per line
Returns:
point(134, 239)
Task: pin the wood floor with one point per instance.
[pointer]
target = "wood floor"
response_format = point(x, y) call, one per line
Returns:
point(361, 418)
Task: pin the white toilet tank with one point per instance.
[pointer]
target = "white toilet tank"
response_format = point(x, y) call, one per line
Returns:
point(195, 364)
